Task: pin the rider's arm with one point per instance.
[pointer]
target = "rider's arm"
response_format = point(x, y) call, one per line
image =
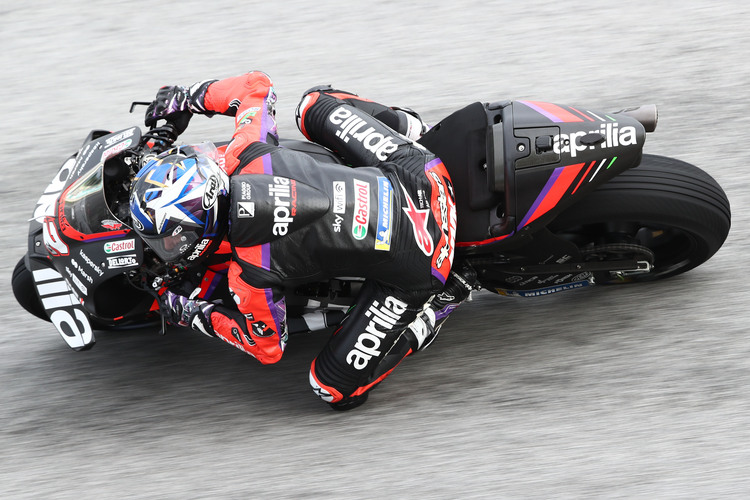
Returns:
point(224, 96)
point(259, 328)
point(250, 98)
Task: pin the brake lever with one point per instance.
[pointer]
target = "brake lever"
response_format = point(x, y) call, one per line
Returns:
point(138, 103)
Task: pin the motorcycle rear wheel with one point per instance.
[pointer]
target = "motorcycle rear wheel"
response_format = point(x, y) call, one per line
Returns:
point(665, 207)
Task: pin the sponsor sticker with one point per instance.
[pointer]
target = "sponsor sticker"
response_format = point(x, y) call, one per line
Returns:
point(361, 209)
point(92, 265)
point(247, 191)
point(55, 246)
point(119, 246)
point(339, 197)
point(76, 282)
point(418, 219)
point(211, 193)
point(385, 215)
point(122, 261)
point(245, 209)
point(111, 225)
point(336, 224)
point(247, 116)
point(116, 149)
point(543, 291)
point(122, 135)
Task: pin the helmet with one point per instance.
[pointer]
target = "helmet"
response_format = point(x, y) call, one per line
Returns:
point(178, 204)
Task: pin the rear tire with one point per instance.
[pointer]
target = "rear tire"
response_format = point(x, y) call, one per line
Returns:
point(666, 206)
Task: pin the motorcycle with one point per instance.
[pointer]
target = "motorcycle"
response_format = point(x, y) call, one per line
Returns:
point(549, 198)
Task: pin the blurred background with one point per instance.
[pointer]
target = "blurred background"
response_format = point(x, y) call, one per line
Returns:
point(608, 392)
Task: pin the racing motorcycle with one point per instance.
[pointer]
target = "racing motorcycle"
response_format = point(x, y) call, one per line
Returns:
point(549, 198)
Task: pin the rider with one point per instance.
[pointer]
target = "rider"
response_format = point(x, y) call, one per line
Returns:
point(291, 219)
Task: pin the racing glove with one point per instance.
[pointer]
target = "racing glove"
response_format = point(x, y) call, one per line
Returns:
point(176, 104)
point(182, 311)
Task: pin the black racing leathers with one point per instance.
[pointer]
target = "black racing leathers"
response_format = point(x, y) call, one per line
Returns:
point(294, 220)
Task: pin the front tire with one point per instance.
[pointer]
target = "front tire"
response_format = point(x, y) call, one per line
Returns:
point(24, 290)
point(664, 207)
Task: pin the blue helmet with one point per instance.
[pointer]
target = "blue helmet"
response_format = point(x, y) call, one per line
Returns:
point(178, 204)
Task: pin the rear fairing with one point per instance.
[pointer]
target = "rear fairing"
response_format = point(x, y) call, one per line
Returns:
point(515, 165)
point(560, 153)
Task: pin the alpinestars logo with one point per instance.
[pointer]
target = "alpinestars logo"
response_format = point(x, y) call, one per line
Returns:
point(613, 137)
point(317, 389)
point(446, 226)
point(383, 317)
point(350, 124)
point(418, 219)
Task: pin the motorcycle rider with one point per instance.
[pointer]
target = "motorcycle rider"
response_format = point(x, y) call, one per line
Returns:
point(291, 219)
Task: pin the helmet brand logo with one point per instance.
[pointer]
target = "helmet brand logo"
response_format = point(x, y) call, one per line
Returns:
point(211, 193)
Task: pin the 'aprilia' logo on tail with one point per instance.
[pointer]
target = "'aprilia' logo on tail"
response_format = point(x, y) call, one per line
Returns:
point(612, 134)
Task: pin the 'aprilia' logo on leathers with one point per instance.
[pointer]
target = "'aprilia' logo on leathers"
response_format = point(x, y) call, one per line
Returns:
point(350, 124)
point(382, 318)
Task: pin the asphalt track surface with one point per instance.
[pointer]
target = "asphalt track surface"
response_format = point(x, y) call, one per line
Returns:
point(634, 392)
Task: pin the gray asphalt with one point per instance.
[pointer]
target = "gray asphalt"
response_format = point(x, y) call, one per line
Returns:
point(635, 392)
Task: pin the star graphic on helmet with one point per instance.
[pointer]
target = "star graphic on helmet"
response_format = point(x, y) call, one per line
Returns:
point(173, 194)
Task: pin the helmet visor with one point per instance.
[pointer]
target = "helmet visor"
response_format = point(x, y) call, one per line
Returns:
point(173, 247)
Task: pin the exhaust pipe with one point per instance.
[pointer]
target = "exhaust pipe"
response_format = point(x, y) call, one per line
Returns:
point(647, 115)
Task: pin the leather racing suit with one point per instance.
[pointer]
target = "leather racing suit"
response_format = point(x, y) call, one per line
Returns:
point(294, 219)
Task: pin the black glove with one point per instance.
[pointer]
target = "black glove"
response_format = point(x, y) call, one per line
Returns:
point(177, 104)
point(182, 311)
point(171, 104)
